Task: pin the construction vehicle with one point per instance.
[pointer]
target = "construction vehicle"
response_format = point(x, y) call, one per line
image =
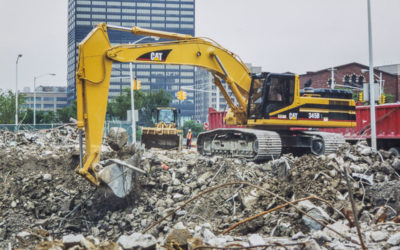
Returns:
point(268, 104)
point(164, 134)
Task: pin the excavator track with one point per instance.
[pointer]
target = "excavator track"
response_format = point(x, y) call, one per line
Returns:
point(251, 144)
point(259, 145)
point(332, 141)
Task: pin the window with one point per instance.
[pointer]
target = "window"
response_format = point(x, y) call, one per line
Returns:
point(115, 86)
point(95, 23)
point(113, 3)
point(158, 12)
point(140, 11)
point(115, 23)
point(187, 19)
point(128, 24)
point(59, 106)
point(114, 17)
point(158, 73)
point(83, 9)
point(158, 5)
point(158, 18)
point(143, 18)
point(98, 16)
point(185, 12)
point(156, 66)
point(83, 23)
point(187, 1)
point(171, 5)
point(187, 6)
point(172, 66)
point(189, 74)
point(173, 19)
point(172, 25)
point(128, 17)
point(84, 16)
point(98, 3)
point(186, 80)
point(113, 10)
point(48, 106)
point(83, 2)
point(172, 12)
point(98, 10)
point(125, 4)
point(187, 26)
point(128, 10)
point(143, 4)
point(144, 25)
point(157, 25)
point(143, 66)
point(186, 67)
point(61, 99)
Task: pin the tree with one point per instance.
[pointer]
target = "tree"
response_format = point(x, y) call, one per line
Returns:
point(146, 101)
point(196, 128)
point(64, 114)
point(7, 106)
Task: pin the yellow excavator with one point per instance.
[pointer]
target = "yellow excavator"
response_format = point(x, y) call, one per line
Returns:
point(165, 133)
point(271, 106)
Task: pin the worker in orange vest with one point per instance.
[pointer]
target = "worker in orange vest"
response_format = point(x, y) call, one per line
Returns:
point(189, 139)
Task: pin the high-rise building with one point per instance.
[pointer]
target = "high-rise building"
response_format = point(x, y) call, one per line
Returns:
point(168, 15)
point(207, 93)
point(48, 98)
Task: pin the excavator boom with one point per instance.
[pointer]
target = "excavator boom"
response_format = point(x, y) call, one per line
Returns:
point(262, 101)
point(96, 56)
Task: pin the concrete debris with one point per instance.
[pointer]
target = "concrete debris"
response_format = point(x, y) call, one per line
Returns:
point(45, 204)
point(117, 138)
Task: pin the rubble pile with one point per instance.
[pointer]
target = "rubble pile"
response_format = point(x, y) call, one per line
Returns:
point(44, 203)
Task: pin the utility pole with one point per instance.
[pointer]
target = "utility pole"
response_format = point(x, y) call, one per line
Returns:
point(371, 81)
point(16, 92)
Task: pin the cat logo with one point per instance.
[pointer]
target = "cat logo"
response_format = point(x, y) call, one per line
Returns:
point(155, 56)
point(292, 116)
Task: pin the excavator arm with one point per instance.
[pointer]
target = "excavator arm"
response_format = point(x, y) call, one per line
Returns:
point(96, 56)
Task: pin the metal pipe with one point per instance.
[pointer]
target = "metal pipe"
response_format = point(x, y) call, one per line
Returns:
point(221, 65)
point(80, 148)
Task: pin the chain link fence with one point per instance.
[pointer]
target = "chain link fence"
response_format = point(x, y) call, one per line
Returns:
point(30, 127)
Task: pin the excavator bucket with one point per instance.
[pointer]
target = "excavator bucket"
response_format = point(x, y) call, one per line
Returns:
point(118, 176)
point(164, 141)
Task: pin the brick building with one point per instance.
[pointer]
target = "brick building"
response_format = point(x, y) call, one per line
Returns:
point(353, 74)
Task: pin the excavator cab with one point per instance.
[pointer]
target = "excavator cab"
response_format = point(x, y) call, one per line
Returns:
point(269, 93)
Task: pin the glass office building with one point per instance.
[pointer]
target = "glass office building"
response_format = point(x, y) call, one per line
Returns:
point(167, 15)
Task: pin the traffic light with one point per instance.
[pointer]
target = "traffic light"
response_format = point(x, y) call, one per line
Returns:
point(360, 96)
point(181, 95)
point(137, 85)
point(382, 99)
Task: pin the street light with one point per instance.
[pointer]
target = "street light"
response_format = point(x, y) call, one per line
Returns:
point(132, 96)
point(16, 91)
point(34, 94)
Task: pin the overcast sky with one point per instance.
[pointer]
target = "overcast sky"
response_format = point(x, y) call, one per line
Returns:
point(279, 35)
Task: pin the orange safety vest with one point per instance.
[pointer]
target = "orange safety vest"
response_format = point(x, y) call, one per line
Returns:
point(189, 135)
